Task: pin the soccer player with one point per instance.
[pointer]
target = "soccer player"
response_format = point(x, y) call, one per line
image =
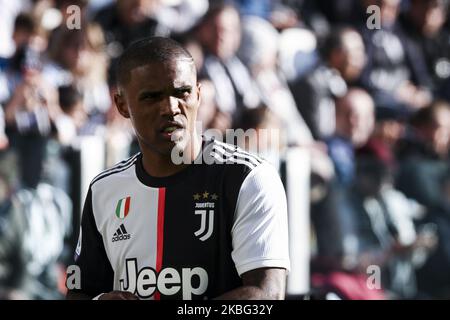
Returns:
point(153, 228)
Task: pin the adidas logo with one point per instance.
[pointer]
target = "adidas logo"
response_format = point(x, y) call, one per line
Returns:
point(121, 234)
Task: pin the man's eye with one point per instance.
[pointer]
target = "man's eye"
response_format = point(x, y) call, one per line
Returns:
point(183, 92)
point(150, 96)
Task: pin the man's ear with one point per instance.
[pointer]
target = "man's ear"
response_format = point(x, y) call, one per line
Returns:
point(121, 104)
point(199, 93)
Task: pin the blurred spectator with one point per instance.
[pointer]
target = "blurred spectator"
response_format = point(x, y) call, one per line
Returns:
point(427, 39)
point(341, 12)
point(393, 75)
point(372, 227)
point(10, 10)
point(77, 58)
point(191, 44)
point(29, 113)
point(42, 212)
point(119, 137)
point(71, 103)
point(264, 134)
point(23, 31)
point(429, 135)
point(220, 35)
point(48, 212)
point(181, 15)
point(12, 230)
point(34, 224)
point(209, 114)
point(323, 15)
point(314, 94)
point(258, 51)
point(283, 16)
point(392, 219)
point(24, 28)
point(389, 129)
point(74, 120)
point(354, 124)
point(424, 174)
point(125, 21)
point(298, 54)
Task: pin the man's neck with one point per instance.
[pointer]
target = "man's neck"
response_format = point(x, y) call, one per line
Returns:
point(160, 165)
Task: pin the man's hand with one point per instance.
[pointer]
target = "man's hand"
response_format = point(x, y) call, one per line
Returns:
point(260, 284)
point(118, 295)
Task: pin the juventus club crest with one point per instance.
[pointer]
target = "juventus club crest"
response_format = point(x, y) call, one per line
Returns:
point(205, 210)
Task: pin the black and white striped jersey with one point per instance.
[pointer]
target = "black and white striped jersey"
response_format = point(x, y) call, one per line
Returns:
point(186, 236)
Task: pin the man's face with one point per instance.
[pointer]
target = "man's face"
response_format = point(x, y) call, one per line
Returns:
point(355, 118)
point(222, 35)
point(440, 132)
point(136, 11)
point(428, 15)
point(354, 56)
point(73, 51)
point(161, 100)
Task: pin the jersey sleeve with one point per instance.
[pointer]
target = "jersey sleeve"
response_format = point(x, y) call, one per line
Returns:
point(260, 230)
point(96, 273)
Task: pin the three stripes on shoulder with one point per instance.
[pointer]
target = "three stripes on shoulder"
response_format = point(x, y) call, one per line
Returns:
point(225, 153)
point(121, 166)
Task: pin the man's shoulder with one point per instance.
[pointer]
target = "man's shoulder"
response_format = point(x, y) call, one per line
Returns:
point(221, 153)
point(115, 170)
point(236, 165)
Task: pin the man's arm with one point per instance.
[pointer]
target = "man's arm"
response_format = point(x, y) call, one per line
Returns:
point(259, 284)
point(96, 274)
point(260, 236)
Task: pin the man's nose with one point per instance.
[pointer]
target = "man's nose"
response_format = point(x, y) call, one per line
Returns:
point(171, 106)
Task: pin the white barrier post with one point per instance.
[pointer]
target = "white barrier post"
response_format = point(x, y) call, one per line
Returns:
point(298, 169)
point(92, 151)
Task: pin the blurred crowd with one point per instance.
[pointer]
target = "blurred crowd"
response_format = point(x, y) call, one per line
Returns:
point(369, 102)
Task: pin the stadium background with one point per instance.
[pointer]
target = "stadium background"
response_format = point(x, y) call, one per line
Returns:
point(360, 99)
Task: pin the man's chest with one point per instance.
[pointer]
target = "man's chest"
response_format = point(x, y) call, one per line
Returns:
point(189, 223)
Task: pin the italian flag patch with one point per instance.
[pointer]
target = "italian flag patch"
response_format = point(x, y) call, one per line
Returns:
point(123, 207)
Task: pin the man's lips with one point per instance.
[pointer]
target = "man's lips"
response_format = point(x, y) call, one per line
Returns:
point(171, 126)
point(172, 130)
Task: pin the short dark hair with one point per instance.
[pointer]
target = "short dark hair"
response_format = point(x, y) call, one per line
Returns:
point(69, 96)
point(428, 115)
point(146, 51)
point(335, 40)
point(60, 4)
point(24, 22)
point(215, 8)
